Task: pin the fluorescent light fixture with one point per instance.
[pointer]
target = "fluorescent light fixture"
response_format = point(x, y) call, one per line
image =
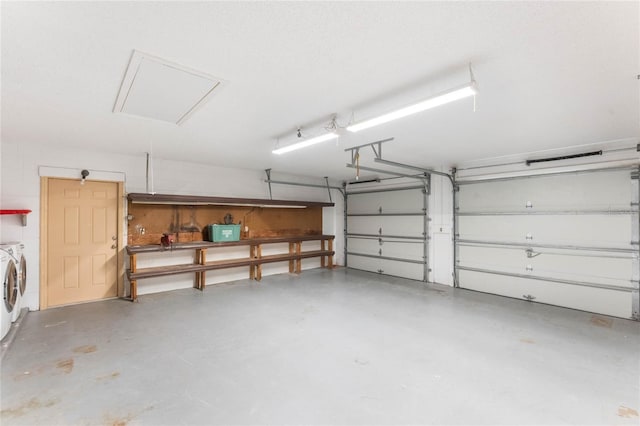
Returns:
point(461, 92)
point(305, 143)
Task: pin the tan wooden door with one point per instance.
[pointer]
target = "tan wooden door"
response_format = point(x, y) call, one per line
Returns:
point(82, 226)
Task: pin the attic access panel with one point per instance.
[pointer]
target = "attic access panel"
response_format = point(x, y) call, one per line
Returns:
point(161, 90)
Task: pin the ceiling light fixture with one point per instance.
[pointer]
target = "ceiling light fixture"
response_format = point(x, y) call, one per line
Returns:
point(461, 92)
point(305, 143)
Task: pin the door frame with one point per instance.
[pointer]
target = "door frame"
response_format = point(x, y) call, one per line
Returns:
point(44, 227)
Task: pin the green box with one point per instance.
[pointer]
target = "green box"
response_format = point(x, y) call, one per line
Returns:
point(224, 233)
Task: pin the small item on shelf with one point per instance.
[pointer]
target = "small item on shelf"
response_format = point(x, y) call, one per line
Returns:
point(224, 233)
point(228, 219)
point(166, 240)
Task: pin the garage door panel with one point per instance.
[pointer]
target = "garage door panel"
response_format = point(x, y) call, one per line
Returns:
point(405, 201)
point(397, 218)
point(586, 230)
point(614, 265)
point(556, 218)
point(363, 225)
point(400, 250)
point(364, 263)
point(568, 265)
point(405, 250)
point(362, 245)
point(582, 191)
point(412, 271)
point(405, 226)
point(607, 302)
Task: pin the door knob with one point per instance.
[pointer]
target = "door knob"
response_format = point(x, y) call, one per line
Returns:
point(113, 246)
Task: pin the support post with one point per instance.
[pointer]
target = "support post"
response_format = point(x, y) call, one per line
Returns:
point(291, 261)
point(198, 260)
point(258, 272)
point(252, 267)
point(330, 258)
point(345, 196)
point(425, 230)
point(298, 260)
point(203, 274)
point(635, 232)
point(454, 233)
point(133, 289)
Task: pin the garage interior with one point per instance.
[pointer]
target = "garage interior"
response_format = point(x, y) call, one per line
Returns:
point(320, 212)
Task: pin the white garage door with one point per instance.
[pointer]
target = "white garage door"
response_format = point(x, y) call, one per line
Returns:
point(568, 240)
point(386, 231)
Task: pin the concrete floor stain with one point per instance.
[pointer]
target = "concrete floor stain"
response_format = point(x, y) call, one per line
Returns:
point(85, 349)
point(108, 376)
point(601, 322)
point(627, 412)
point(26, 407)
point(65, 365)
point(123, 421)
point(530, 341)
point(119, 422)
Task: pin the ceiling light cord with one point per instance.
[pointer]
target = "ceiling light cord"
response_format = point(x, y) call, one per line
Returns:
point(335, 126)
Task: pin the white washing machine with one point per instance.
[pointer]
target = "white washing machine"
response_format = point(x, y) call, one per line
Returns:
point(11, 290)
point(21, 264)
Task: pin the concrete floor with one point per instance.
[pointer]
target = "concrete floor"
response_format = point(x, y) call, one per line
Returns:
point(325, 347)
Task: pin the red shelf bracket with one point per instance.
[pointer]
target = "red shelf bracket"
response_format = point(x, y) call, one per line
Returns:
point(22, 212)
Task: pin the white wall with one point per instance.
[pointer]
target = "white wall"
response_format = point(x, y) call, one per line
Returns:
point(440, 230)
point(20, 189)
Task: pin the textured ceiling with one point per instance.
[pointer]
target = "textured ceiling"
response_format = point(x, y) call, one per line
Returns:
point(551, 74)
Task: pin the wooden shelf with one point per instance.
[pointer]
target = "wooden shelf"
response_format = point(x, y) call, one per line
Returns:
point(23, 212)
point(254, 261)
point(196, 200)
point(153, 248)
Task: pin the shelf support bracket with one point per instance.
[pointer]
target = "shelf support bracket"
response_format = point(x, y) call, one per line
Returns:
point(326, 179)
point(268, 173)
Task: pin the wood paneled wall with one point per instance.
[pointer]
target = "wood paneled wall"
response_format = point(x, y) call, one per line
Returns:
point(189, 223)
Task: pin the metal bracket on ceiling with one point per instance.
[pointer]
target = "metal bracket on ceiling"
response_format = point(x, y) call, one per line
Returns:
point(420, 169)
point(326, 186)
point(268, 173)
point(388, 172)
point(376, 147)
